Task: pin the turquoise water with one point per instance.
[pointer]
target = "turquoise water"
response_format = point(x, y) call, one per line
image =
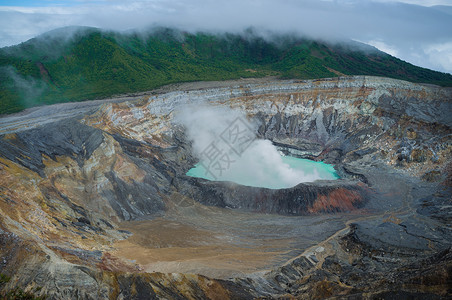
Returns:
point(325, 171)
point(301, 170)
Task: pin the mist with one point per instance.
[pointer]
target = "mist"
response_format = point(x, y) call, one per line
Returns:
point(28, 88)
point(415, 33)
point(256, 163)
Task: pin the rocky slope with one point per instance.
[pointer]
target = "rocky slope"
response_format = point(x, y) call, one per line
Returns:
point(72, 177)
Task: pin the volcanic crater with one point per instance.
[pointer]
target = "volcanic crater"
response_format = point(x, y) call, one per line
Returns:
point(98, 191)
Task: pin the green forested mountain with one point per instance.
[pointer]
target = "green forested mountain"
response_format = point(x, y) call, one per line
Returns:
point(74, 64)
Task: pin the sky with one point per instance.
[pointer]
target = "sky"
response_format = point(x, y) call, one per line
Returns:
point(417, 31)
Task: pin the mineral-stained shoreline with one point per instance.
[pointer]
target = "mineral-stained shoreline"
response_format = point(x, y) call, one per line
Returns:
point(95, 202)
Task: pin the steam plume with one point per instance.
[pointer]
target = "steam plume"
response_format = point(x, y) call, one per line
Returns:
point(257, 164)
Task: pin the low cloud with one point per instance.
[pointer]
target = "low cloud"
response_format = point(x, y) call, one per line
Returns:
point(440, 55)
point(384, 47)
point(409, 31)
point(28, 87)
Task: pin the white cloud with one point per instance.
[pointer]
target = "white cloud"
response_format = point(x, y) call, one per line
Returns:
point(400, 29)
point(41, 10)
point(380, 45)
point(440, 55)
point(422, 2)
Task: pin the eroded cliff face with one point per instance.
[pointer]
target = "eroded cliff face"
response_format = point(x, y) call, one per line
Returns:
point(69, 177)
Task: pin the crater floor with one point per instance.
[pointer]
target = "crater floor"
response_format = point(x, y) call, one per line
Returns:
point(223, 243)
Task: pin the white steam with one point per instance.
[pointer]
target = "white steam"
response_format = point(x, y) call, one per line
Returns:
point(257, 164)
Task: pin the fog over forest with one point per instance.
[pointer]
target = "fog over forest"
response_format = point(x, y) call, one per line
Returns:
point(415, 31)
